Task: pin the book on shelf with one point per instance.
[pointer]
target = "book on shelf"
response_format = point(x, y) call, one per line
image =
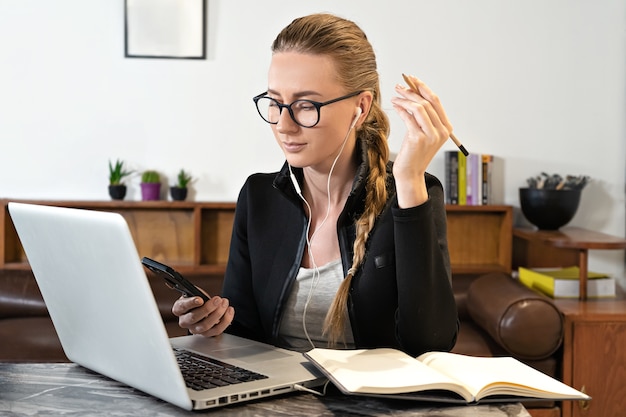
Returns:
point(486, 164)
point(564, 283)
point(474, 178)
point(451, 162)
point(437, 376)
point(462, 178)
point(492, 179)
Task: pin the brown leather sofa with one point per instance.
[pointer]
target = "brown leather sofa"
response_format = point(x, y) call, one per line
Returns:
point(499, 317)
point(26, 331)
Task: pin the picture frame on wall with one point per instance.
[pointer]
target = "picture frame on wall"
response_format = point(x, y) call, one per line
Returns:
point(174, 29)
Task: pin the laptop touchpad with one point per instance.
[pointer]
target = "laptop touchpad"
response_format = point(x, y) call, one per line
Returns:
point(250, 353)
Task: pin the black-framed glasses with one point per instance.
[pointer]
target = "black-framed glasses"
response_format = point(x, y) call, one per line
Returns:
point(305, 113)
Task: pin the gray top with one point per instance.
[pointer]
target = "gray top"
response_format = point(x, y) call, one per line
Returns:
point(307, 305)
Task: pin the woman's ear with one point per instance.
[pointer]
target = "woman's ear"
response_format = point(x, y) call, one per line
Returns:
point(365, 104)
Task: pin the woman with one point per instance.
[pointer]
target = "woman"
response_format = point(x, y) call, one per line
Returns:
point(341, 247)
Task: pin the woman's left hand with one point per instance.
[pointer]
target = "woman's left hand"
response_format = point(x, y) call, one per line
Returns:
point(428, 128)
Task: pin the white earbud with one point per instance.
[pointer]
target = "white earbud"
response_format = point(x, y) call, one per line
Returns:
point(356, 117)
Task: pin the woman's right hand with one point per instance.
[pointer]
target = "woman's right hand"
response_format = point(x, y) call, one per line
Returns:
point(209, 318)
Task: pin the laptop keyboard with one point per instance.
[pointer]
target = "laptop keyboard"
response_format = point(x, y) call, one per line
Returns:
point(201, 372)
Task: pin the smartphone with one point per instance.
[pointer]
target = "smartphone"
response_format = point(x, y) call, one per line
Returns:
point(173, 279)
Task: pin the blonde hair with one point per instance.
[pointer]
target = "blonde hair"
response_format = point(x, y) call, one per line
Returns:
point(355, 61)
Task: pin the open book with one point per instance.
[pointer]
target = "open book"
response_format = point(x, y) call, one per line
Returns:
point(437, 376)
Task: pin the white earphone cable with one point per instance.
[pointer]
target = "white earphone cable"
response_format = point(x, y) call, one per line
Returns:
point(316, 274)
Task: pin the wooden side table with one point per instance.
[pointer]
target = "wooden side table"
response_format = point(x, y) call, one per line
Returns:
point(564, 247)
point(594, 330)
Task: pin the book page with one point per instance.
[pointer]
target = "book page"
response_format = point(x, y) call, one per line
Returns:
point(382, 371)
point(499, 376)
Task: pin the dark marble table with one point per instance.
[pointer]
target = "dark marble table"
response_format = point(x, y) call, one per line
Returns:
point(70, 390)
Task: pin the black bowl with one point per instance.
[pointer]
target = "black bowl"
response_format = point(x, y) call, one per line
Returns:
point(549, 209)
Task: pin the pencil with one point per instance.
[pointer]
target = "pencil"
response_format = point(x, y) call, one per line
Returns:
point(454, 138)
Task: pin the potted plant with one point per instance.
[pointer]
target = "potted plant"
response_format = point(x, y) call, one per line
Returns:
point(117, 189)
point(179, 191)
point(150, 185)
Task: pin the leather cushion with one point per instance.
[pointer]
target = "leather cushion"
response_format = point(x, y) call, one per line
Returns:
point(526, 324)
point(19, 295)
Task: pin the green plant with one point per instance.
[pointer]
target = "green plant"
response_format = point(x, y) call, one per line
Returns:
point(150, 177)
point(117, 172)
point(184, 178)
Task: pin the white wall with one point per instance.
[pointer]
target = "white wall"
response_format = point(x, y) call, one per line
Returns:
point(539, 83)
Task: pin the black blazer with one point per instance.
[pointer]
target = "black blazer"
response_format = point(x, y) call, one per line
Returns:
point(400, 297)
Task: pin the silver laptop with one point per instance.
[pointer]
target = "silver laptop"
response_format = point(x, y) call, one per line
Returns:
point(94, 285)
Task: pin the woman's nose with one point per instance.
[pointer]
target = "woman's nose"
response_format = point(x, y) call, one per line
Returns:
point(286, 122)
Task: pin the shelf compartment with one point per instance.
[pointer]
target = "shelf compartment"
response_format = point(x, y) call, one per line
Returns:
point(480, 238)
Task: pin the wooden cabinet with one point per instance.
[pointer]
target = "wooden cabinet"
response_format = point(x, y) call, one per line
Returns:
point(193, 237)
point(480, 238)
point(594, 358)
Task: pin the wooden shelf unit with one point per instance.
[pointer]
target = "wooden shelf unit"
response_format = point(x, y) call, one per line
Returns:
point(193, 237)
point(480, 238)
